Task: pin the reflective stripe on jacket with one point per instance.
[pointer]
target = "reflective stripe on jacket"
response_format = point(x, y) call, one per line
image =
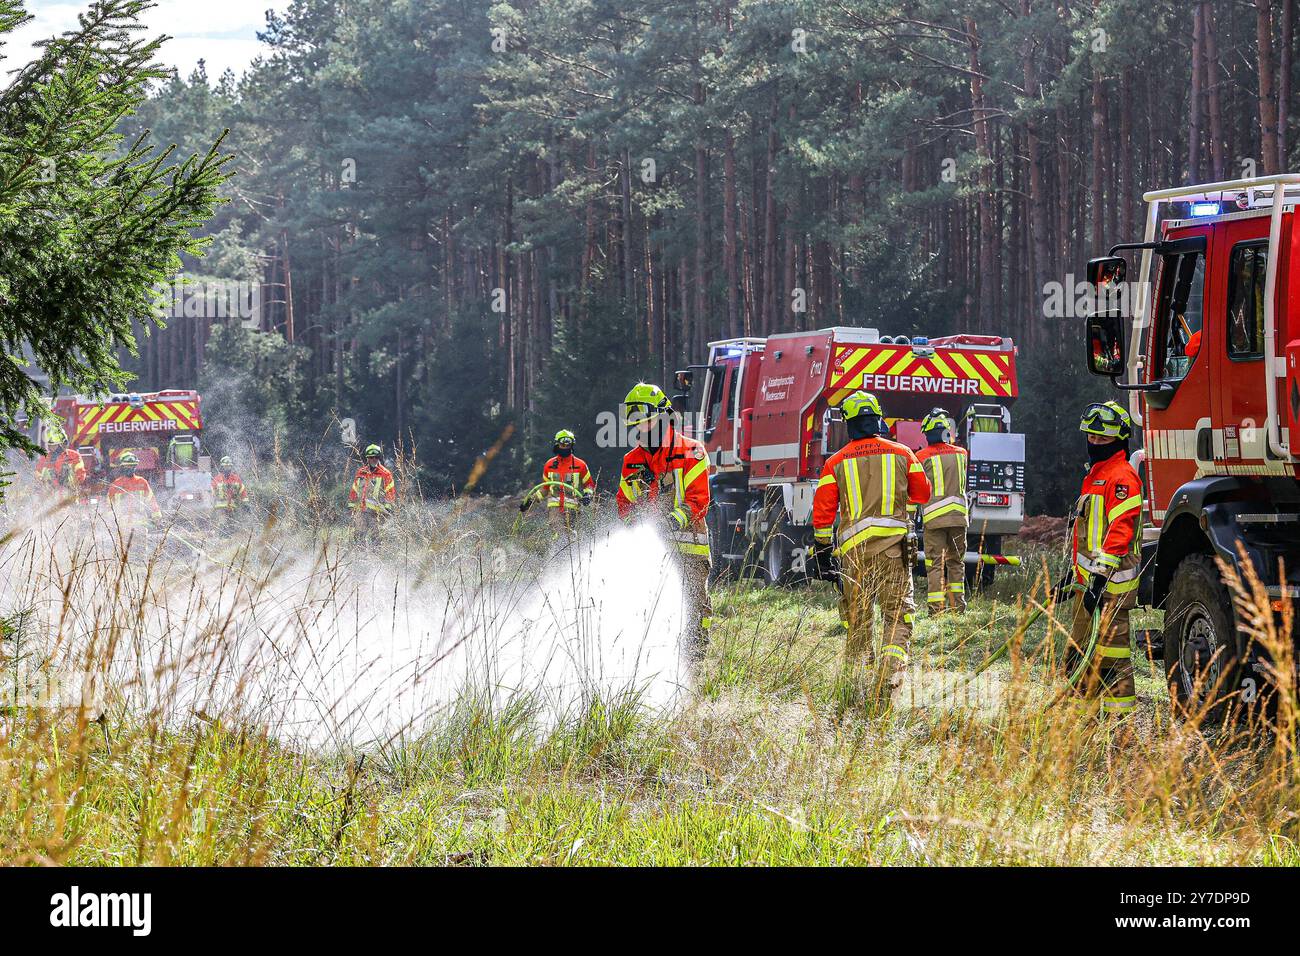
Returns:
point(573, 475)
point(1108, 525)
point(228, 490)
point(868, 485)
point(945, 466)
point(680, 467)
point(67, 469)
point(372, 490)
point(135, 494)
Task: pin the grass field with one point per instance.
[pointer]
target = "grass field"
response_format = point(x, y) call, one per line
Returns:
point(749, 764)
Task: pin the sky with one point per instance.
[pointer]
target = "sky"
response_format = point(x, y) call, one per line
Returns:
point(221, 32)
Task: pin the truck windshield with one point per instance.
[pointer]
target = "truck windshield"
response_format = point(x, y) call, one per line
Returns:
point(1179, 314)
point(717, 382)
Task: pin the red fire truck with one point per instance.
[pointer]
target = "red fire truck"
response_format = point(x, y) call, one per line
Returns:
point(162, 428)
point(1212, 369)
point(767, 410)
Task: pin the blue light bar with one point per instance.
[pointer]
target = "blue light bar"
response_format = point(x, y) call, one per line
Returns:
point(1205, 209)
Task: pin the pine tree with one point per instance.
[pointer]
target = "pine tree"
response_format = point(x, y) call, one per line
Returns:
point(86, 228)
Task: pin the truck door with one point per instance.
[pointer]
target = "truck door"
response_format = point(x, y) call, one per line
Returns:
point(718, 412)
point(1241, 417)
point(1178, 418)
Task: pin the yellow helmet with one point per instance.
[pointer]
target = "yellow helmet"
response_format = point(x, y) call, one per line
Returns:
point(1107, 419)
point(939, 418)
point(860, 403)
point(645, 403)
point(55, 435)
point(128, 460)
point(565, 437)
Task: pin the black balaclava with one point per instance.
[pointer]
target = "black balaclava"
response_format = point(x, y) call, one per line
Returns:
point(564, 451)
point(660, 434)
point(865, 426)
point(935, 435)
point(1097, 453)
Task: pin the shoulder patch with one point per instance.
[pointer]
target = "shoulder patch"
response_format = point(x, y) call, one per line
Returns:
point(1121, 491)
point(698, 451)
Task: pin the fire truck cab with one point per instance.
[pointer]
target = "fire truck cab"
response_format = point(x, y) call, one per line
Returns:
point(163, 429)
point(1212, 373)
point(767, 411)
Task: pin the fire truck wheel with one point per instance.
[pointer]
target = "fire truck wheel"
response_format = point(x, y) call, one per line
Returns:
point(1202, 648)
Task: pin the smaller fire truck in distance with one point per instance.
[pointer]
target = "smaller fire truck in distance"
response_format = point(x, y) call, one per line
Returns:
point(1213, 374)
point(767, 410)
point(162, 428)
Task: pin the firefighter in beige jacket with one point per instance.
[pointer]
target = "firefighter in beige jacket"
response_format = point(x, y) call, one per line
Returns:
point(946, 515)
point(861, 502)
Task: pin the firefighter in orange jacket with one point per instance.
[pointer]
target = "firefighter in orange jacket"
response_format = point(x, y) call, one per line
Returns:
point(867, 485)
point(60, 467)
point(132, 494)
point(228, 492)
point(667, 474)
point(373, 491)
point(566, 482)
point(945, 516)
point(1107, 548)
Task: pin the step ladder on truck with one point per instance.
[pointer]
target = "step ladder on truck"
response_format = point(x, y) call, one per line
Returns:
point(1206, 346)
point(767, 411)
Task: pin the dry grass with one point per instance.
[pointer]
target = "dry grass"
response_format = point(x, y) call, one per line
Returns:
point(182, 747)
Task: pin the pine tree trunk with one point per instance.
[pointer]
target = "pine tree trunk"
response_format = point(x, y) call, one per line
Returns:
point(1268, 135)
point(1194, 98)
point(988, 240)
point(1284, 83)
point(1213, 83)
point(729, 234)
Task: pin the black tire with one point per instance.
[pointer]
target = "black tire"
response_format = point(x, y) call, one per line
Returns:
point(776, 560)
point(778, 549)
point(1203, 654)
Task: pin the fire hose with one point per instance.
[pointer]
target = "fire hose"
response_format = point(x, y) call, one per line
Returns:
point(1072, 678)
point(535, 492)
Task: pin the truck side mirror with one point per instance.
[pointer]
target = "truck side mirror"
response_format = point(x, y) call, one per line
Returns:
point(684, 378)
point(1106, 326)
point(1106, 272)
point(1106, 345)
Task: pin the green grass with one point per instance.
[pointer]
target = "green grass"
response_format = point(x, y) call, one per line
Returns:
point(755, 768)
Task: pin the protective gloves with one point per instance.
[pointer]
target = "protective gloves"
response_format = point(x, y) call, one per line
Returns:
point(1092, 596)
point(824, 561)
point(525, 505)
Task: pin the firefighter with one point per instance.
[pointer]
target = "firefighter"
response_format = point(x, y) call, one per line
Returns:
point(946, 516)
point(566, 482)
point(667, 474)
point(373, 491)
point(1107, 542)
point(60, 467)
point(867, 485)
point(132, 494)
point(229, 496)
